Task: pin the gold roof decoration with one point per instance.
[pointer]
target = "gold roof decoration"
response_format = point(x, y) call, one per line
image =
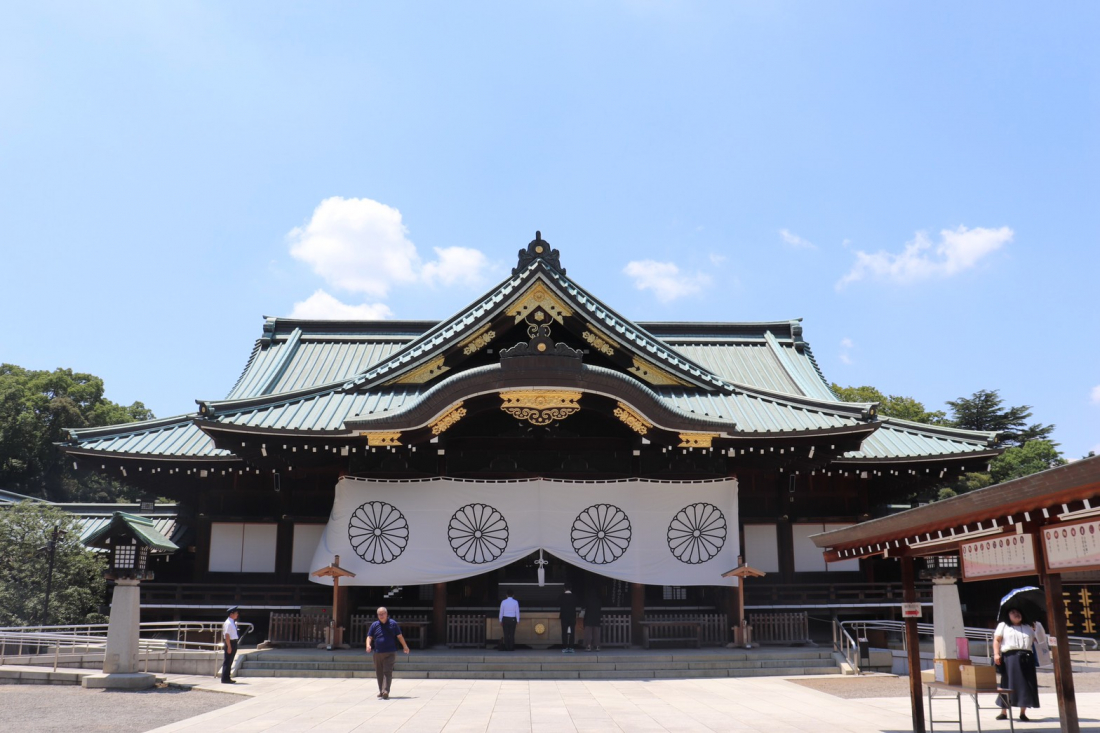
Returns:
point(422, 373)
point(540, 296)
point(632, 418)
point(381, 438)
point(697, 440)
point(449, 418)
point(655, 376)
point(540, 407)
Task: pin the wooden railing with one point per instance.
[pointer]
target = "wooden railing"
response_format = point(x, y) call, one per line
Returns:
point(465, 630)
point(780, 628)
point(615, 630)
point(413, 627)
point(826, 594)
point(715, 632)
point(296, 629)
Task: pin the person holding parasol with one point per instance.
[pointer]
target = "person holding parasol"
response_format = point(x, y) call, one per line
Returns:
point(1014, 654)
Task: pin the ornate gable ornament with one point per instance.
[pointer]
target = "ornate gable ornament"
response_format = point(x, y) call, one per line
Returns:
point(538, 249)
point(540, 407)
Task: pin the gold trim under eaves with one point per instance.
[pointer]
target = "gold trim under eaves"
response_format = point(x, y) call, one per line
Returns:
point(598, 342)
point(540, 407)
point(422, 373)
point(452, 416)
point(632, 418)
point(381, 439)
point(697, 440)
point(478, 341)
point(655, 376)
point(540, 296)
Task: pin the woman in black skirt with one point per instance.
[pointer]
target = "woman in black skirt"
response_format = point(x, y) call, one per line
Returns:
point(1013, 654)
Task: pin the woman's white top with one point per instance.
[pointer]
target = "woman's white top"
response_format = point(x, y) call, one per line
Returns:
point(1015, 637)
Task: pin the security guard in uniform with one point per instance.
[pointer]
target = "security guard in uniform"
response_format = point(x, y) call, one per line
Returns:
point(230, 636)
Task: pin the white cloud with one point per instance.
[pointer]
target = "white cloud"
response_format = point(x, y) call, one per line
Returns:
point(796, 241)
point(362, 246)
point(717, 259)
point(846, 344)
point(665, 279)
point(958, 250)
point(1095, 395)
point(322, 307)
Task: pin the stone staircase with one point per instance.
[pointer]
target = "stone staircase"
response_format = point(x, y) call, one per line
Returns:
point(535, 665)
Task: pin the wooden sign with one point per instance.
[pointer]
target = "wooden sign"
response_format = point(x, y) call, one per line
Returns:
point(1074, 546)
point(1005, 556)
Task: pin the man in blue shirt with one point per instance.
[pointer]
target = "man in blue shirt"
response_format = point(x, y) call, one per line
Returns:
point(509, 617)
point(382, 639)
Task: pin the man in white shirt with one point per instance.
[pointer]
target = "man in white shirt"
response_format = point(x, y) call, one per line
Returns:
point(509, 617)
point(230, 637)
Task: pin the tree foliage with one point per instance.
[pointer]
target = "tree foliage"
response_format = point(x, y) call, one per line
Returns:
point(1028, 447)
point(905, 408)
point(36, 407)
point(78, 587)
point(985, 410)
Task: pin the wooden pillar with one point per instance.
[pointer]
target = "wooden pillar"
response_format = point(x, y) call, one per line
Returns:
point(342, 612)
point(1063, 667)
point(637, 612)
point(912, 645)
point(439, 613)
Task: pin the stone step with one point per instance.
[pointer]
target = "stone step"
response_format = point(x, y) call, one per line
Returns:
point(606, 674)
point(558, 665)
point(580, 657)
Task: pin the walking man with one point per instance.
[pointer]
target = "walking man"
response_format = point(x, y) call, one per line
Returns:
point(509, 617)
point(230, 637)
point(382, 640)
point(567, 605)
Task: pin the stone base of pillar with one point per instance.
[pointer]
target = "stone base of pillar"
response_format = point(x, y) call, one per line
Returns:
point(131, 681)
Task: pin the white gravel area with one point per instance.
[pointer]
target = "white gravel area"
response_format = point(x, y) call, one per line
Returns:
point(49, 708)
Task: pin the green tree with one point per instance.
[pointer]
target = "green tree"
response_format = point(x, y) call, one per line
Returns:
point(985, 410)
point(78, 587)
point(898, 406)
point(36, 408)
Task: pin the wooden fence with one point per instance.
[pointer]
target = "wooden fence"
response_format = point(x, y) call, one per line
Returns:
point(465, 630)
point(780, 628)
point(296, 629)
point(716, 628)
point(360, 624)
point(615, 630)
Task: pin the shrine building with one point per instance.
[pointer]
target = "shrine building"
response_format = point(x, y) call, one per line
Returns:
point(443, 460)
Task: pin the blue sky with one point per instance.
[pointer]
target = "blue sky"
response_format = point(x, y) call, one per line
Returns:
point(921, 186)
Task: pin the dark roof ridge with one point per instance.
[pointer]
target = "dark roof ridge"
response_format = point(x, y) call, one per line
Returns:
point(139, 426)
point(988, 437)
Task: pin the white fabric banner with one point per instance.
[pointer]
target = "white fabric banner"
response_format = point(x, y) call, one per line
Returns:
point(435, 530)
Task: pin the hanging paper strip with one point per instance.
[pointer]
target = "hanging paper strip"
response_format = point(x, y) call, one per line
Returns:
point(435, 530)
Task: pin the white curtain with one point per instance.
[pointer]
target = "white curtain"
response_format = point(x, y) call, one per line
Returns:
point(435, 530)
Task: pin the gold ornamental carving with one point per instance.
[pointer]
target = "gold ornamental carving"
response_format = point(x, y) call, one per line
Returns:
point(452, 416)
point(598, 342)
point(633, 419)
point(655, 376)
point(540, 407)
point(381, 439)
point(422, 373)
point(540, 296)
point(478, 341)
point(697, 440)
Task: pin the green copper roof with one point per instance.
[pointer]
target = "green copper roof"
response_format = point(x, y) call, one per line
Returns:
point(143, 529)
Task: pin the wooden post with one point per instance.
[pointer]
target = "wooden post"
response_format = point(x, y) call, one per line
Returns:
point(1063, 666)
point(439, 613)
point(637, 612)
point(912, 645)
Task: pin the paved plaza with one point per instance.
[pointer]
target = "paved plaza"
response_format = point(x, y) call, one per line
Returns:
point(417, 705)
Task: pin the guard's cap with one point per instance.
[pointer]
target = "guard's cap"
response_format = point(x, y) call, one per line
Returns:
point(231, 609)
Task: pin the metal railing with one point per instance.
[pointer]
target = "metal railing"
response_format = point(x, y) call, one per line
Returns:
point(847, 633)
point(157, 638)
